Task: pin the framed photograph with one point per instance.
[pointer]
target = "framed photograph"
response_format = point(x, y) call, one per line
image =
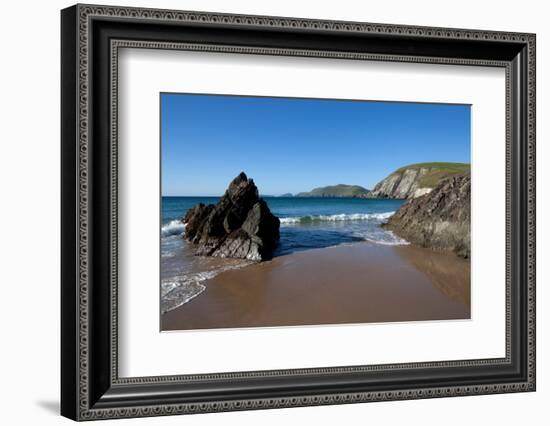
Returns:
point(263, 212)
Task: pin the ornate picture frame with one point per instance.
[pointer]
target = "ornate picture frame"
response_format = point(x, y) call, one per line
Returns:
point(90, 39)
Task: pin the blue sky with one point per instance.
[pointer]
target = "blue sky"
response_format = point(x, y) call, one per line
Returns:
point(294, 145)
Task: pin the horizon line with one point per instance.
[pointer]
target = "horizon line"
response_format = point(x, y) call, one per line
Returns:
point(322, 186)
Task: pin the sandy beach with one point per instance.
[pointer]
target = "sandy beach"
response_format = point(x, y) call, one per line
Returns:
point(353, 283)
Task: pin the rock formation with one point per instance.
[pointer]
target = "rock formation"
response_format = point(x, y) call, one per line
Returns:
point(439, 219)
point(240, 225)
point(416, 180)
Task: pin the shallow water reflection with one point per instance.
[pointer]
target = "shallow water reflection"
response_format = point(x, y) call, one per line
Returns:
point(448, 273)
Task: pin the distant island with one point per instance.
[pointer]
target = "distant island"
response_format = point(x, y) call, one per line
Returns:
point(287, 195)
point(340, 190)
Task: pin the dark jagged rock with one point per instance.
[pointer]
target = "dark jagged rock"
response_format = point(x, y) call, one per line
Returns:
point(240, 225)
point(439, 219)
point(195, 218)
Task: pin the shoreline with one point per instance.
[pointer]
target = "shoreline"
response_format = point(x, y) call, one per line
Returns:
point(361, 282)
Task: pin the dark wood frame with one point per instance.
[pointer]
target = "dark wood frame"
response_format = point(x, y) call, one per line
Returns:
point(90, 386)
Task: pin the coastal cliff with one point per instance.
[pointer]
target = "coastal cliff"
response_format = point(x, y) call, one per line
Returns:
point(439, 219)
point(240, 225)
point(407, 182)
point(416, 180)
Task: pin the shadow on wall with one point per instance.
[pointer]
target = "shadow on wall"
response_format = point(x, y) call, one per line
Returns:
point(50, 406)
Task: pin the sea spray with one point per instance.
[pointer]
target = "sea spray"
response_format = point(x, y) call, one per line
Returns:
point(174, 227)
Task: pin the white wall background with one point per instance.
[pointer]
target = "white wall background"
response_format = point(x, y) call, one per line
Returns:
point(29, 214)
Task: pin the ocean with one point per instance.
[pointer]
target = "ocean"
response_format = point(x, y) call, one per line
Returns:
point(306, 223)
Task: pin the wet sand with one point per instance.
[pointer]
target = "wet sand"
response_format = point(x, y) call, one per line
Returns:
point(357, 283)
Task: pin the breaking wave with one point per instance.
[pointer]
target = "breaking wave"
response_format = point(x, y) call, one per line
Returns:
point(337, 218)
point(174, 227)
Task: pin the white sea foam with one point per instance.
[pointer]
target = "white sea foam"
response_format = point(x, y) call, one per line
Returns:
point(175, 293)
point(336, 218)
point(174, 227)
point(179, 290)
point(382, 236)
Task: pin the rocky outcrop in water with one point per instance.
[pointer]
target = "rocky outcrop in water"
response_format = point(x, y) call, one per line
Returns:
point(240, 225)
point(439, 219)
point(416, 180)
